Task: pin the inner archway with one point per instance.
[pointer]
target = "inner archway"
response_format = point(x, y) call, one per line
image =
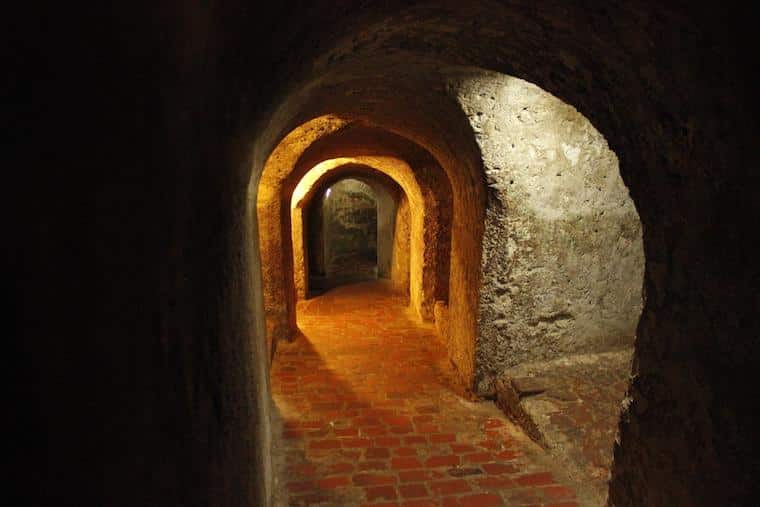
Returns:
point(342, 235)
point(424, 208)
point(409, 215)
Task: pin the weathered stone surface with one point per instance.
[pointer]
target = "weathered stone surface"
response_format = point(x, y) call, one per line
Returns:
point(349, 234)
point(508, 400)
point(350, 214)
point(400, 259)
point(525, 386)
point(562, 254)
point(561, 394)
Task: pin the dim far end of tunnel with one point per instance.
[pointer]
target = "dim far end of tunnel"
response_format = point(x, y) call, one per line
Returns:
point(402, 214)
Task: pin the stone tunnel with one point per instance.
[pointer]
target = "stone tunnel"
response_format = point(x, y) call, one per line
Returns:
point(544, 213)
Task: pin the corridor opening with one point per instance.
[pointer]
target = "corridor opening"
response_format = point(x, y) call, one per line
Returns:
point(342, 235)
point(415, 221)
point(207, 108)
point(523, 254)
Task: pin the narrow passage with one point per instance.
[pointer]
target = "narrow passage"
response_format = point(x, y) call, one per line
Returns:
point(370, 415)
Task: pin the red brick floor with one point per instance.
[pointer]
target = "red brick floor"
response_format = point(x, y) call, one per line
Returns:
point(369, 415)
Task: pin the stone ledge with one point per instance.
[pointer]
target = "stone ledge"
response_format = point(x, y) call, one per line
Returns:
point(508, 400)
point(570, 407)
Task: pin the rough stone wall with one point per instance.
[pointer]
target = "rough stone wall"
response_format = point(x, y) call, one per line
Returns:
point(312, 219)
point(562, 261)
point(401, 248)
point(386, 223)
point(350, 227)
point(305, 237)
point(274, 223)
point(158, 392)
point(437, 235)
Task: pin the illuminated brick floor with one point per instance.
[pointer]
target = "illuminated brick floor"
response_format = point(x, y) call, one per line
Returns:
point(368, 415)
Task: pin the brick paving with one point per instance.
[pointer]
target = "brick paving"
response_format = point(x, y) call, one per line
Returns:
point(368, 415)
point(575, 405)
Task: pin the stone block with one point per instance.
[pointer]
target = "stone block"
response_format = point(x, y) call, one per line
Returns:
point(527, 386)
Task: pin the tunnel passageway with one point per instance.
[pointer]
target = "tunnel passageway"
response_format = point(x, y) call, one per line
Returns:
point(370, 413)
point(575, 182)
point(342, 236)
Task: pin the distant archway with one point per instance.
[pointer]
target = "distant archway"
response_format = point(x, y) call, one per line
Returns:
point(535, 292)
point(341, 235)
point(425, 199)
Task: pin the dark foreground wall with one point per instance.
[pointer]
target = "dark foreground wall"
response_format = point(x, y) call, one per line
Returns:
point(158, 398)
point(135, 352)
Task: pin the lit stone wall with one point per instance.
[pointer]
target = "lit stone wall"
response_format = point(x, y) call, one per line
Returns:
point(386, 223)
point(401, 256)
point(563, 260)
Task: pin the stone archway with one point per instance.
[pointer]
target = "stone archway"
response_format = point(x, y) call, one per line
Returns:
point(425, 186)
point(541, 284)
point(388, 195)
point(181, 304)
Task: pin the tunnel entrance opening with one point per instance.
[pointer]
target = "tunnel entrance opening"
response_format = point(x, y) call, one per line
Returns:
point(380, 246)
point(503, 233)
point(342, 236)
point(414, 228)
